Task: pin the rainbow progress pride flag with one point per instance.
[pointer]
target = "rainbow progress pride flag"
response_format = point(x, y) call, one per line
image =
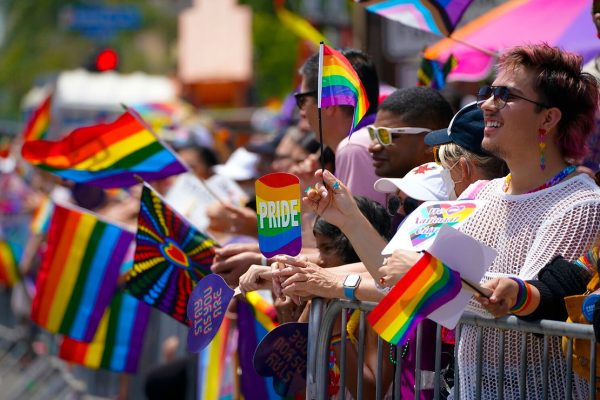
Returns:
point(106, 155)
point(39, 122)
point(428, 285)
point(79, 272)
point(171, 256)
point(339, 84)
point(117, 344)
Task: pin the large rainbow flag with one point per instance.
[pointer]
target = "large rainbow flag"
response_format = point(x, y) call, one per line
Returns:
point(106, 155)
point(435, 16)
point(79, 272)
point(428, 285)
point(339, 84)
point(171, 256)
point(117, 344)
point(256, 318)
point(39, 121)
point(9, 272)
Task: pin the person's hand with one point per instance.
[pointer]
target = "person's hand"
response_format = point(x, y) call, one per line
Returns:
point(331, 200)
point(233, 261)
point(257, 277)
point(306, 279)
point(395, 266)
point(287, 310)
point(224, 217)
point(503, 298)
point(305, 170)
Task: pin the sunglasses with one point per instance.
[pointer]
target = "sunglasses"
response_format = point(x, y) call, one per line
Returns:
point(501, 95)
point(394, 203)
point(302, 96)
point(385, 135)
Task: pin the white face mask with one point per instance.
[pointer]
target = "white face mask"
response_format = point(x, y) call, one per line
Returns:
point(450, 186)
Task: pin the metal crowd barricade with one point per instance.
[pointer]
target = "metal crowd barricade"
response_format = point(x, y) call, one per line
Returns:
point(321, 323)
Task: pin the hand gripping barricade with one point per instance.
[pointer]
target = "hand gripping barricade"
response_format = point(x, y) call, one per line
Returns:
point(322, 320)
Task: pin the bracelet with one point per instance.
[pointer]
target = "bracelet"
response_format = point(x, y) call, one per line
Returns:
point(264, 260)
point(523, 297)
point(337, 339)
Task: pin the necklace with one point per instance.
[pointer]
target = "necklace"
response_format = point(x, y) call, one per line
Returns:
point(568, 170)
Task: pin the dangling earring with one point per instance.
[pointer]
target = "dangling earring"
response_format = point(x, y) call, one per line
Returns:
point(542, 147)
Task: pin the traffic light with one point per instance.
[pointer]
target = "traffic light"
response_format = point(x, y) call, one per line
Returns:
point(105, 59)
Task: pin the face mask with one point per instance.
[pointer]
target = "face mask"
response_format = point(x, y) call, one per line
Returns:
point(450, 185)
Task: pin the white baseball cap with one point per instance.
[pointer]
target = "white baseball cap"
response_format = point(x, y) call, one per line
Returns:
point(240, 166)
point(427, 182)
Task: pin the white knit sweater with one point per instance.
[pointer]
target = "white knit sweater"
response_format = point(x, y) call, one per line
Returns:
point(527, 231)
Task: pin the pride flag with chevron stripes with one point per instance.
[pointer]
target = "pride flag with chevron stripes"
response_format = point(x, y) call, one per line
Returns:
point(79, 272)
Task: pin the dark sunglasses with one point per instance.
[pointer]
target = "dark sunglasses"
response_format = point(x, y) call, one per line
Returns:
point(409, 204)
point(302, 96)
point(501, 95)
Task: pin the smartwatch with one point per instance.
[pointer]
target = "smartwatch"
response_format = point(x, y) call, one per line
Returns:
point(350, 284)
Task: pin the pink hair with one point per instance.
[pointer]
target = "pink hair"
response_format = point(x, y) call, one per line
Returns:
point(561, 84)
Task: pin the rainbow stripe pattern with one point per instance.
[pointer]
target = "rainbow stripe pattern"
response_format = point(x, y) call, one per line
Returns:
point(433, 73)
point(216, 367)
point(278, 214)
point(256, 318)
point(9, 272)
point(42, 217)
point(79, 272)
point(38, 123)
point(106, 155)
point(117, 344)
point(435, 16)
point(428, 285)
point(340, 84)
point(171, 256)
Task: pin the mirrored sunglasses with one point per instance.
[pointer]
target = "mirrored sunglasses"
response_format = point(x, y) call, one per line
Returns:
point(501, 95)
point(386, 135)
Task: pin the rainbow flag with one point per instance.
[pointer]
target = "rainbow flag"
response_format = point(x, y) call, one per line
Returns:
point(217, 368)
point(42, 216)
point(9, 271)
point(117, 343)
point(106, 155)
point(39, 122)
point(435, 16)
point(433, 74)
point(171, 256)
point(339, 84)
point(256, 318)
point(79, 272)
point(428, 285)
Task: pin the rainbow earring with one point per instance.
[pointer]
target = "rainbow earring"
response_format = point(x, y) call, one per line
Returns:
point(542, 147)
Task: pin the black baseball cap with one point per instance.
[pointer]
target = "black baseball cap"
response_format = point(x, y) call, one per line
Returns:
point(465, 129)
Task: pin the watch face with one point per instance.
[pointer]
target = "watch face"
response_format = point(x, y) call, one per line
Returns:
point(351, 280)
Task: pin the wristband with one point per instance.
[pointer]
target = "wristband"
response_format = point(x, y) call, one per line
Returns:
point(523, 297)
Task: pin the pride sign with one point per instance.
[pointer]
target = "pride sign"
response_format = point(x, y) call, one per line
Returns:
point(278, 214)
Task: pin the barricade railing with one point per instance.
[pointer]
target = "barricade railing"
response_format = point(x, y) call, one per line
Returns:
point(321, 323)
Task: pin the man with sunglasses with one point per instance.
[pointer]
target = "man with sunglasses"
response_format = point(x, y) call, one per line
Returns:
point(353, 164)
point(397, 135)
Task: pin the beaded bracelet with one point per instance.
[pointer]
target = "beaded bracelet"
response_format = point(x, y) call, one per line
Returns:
point(523, 297)
point(337, 339)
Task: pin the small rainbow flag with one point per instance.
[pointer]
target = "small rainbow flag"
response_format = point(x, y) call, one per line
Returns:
point(39, 122)
point(433, 74)
point(171, 256)
point(339, 83)
point(256, 318)
point(117, 344)
point(42, 217)
point(9, 272)
point(428, 285)
point(79, 272)
point(106, 155)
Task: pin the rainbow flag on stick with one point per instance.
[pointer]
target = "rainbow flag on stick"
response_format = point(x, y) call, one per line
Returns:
point(117, 344)
point(171, 256)
point(428, 285)
point(433, 73)
point(339, 84)
point(9, 272)
point(106, 155)
point(39, 121)
point(79, 272)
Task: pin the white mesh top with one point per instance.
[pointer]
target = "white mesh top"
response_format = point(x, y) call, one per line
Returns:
point(527, 231)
